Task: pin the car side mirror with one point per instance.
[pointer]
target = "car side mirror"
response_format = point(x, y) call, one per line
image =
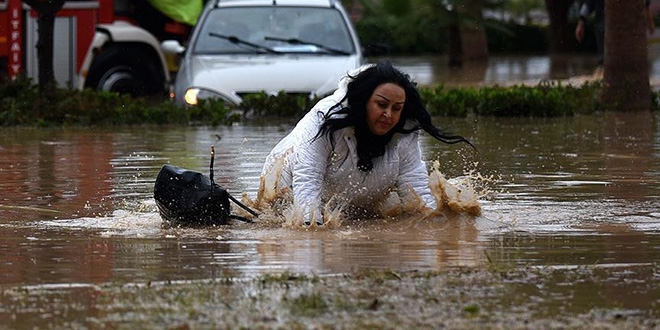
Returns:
point(172, 47)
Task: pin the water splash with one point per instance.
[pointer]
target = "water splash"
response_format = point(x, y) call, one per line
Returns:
point(459, 195)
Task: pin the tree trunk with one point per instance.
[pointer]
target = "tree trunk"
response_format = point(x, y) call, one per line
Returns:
point(46, 11)
point(626, 67)
point(455, 46)
point(46, 25)
point(561, 37)
point(473, 34)
point(475, 44)
point(467, 35)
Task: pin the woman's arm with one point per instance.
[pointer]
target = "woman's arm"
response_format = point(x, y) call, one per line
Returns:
point(310, 163)
point(308, 175)
point(412, 171)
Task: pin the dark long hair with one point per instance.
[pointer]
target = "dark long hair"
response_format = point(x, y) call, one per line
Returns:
point(359, 90)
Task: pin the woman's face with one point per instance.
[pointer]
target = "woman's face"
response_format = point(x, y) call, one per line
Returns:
point(384, 108)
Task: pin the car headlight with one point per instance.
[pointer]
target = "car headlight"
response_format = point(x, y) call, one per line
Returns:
point(194, 95)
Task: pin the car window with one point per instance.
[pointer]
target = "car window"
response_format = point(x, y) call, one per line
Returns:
point(275, 29)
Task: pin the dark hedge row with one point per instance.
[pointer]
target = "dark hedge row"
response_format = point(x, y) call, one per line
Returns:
point(21, 104)
point(543, 100)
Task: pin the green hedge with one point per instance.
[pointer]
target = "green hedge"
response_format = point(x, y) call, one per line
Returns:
point(21, 104)
point(282, 104)
point(543, 100)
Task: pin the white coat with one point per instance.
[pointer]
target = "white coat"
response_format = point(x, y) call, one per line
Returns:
point(316, 173)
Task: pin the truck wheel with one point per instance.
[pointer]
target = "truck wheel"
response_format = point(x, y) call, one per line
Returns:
point(121, 79)
point(124, 70)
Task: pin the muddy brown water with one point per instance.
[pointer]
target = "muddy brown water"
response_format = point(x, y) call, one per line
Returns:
point(76, 207)
point(77, 204)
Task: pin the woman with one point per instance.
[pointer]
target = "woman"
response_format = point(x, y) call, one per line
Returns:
point(357, 145)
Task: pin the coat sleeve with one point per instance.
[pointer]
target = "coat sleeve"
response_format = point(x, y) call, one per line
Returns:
point(412, 171)
point(309, 167)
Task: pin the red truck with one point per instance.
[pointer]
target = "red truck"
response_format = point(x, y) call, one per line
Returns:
point(110, 45)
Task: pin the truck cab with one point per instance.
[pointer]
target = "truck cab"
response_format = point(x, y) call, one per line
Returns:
point(105, 45)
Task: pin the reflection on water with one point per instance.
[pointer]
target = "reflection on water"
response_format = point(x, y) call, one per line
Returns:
point(513, 69)
point(501, 70)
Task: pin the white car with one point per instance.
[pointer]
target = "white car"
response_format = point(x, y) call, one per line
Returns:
point(240, 47)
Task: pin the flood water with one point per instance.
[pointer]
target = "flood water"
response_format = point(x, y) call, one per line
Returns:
point(76, 205)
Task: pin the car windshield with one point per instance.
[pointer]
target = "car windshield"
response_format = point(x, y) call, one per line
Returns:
point(273, 29)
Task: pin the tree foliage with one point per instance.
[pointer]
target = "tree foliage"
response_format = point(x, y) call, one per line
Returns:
point(421, 26)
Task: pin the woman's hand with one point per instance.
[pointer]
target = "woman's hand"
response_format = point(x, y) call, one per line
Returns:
point(313, 214)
